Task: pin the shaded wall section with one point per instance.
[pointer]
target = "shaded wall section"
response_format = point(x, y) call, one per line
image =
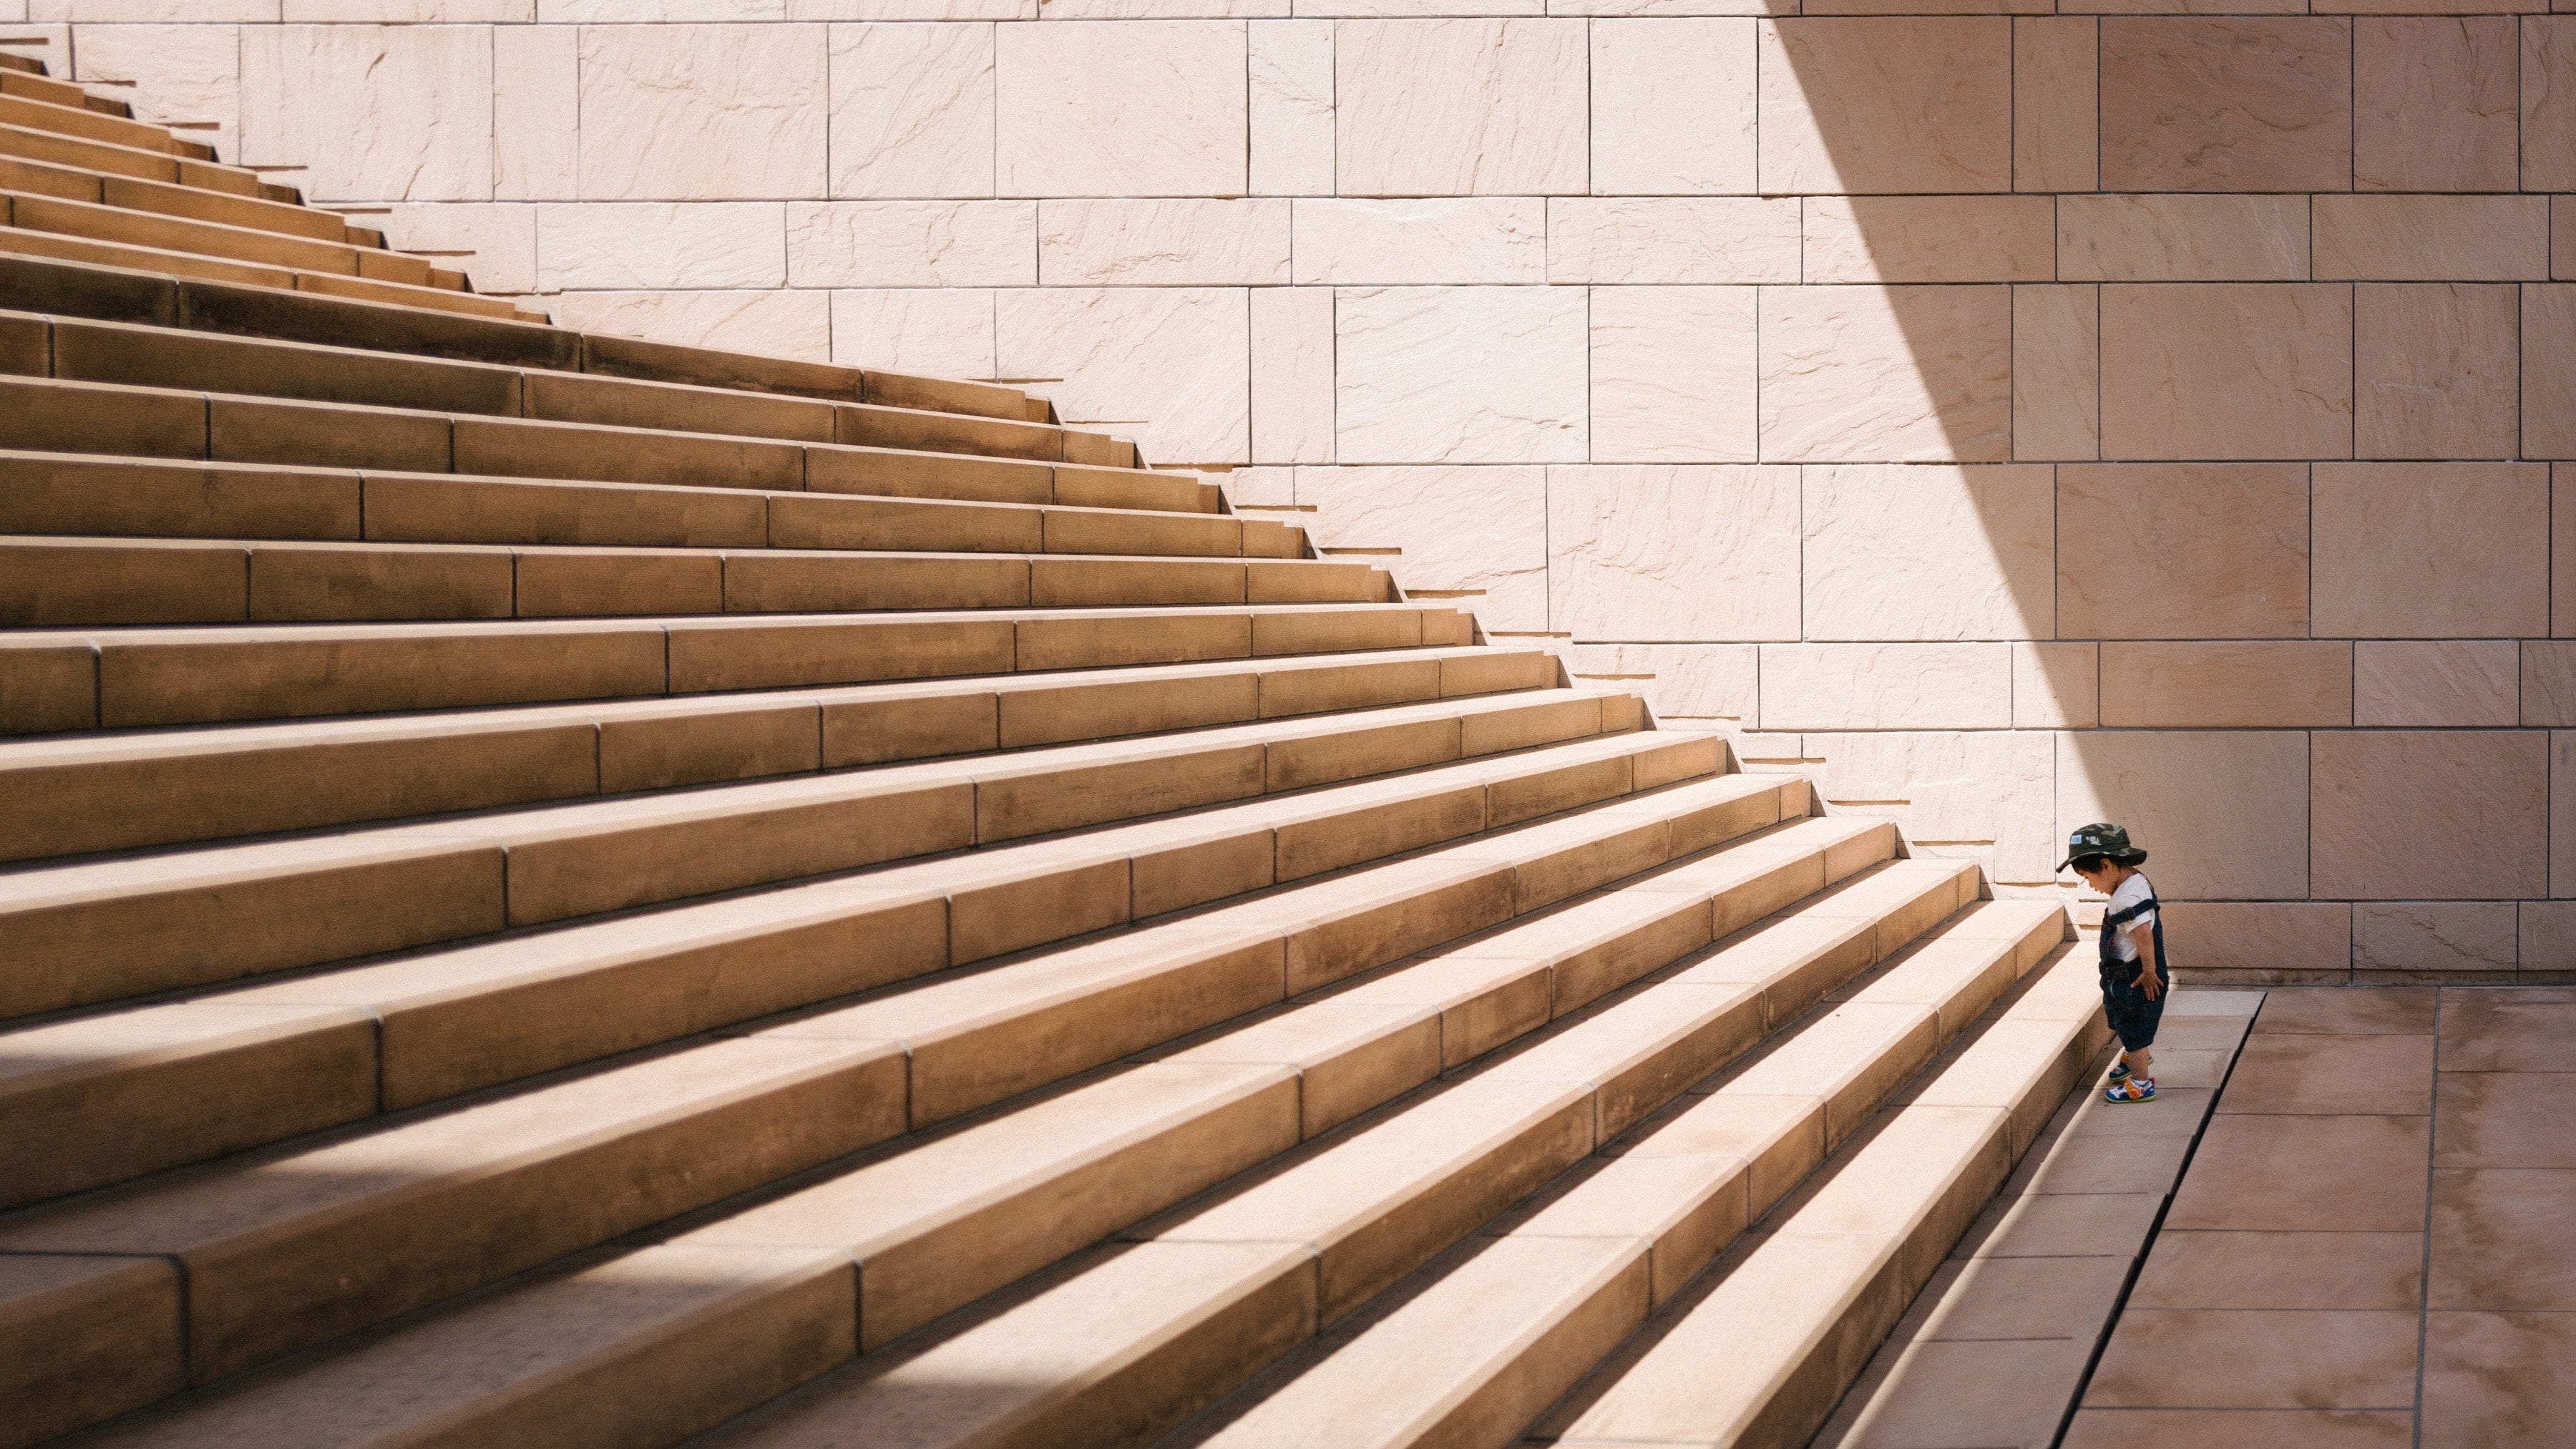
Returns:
point(2009, 419)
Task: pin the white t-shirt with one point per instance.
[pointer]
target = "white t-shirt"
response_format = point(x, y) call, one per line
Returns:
point(2131, 891)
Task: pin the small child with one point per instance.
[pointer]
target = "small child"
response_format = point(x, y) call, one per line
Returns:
point(2133, 992)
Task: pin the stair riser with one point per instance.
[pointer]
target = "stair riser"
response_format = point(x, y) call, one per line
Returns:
point(113, 223)
point(115, 187)
point(74, 121)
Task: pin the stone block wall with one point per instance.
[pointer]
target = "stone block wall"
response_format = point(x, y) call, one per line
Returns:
point(2011, 419)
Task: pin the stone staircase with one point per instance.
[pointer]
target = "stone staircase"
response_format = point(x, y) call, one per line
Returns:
point(574, 891)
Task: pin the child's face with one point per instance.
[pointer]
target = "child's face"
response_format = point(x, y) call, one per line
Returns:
point(2094, 871)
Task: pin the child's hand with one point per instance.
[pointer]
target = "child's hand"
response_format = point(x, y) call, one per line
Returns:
point(2147, 983)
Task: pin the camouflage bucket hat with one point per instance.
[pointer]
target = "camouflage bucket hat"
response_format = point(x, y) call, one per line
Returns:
point(2101, 839)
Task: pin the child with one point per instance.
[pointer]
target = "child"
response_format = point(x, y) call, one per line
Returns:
point(2133, 992)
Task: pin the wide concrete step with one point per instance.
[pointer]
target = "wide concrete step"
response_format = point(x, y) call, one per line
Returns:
point(53, 681)
point(294, 1056)
point(75, 583)
point(113, 188)
point(89, 124)
point(188, 919)
point(84, 794)
point(1794, 1312)
point(51, 415)
point(1476, 1345)
point(35, 85)
point(20, 244)
point(53, 148)
point(289, 1247)
point(934, 1222)
point(116, 293)
point(85, 350)
point(106, 496)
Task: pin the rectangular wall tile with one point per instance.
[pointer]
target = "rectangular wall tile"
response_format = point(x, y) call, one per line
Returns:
point(912, 243)
point(1886, 374)
point(1460, 375)
point(2208, 551)
point(2432, 550)
point(2562, 813)
point(633, 244)
point(1465, 107)
point(2226, 370)
point(2202, 103)
point(2182, 238)
point(2057, 86)
point(2226, 685)
point(2548, 371)
point(912, 110)
point(2433, 683)
point(1699, 682)
point(2549, 103)
point(2562, 550)
point(775, 323)
point(2548, 682)
point(1122, 108)
point(2057, 686)
point(1292, 107)
point(2437, 368)
point(2449, 941)
point(2433, 103)
point(1117, 243)
point(1168, 366)
point(935, 332)
point(1292, 375)
point(2562, 238)
point(1478, 531)
point(2432, 238)
point(703, 112)
point(187, 75)
point(1650, 554)
point(2240, 832)
point(2264, 936)
point(1425, 242)
point(1672, 107)
point(1929, 239)
point(2057, 373)
point(1886, 686)
point(1929, 553)
point(536, 112)
point(1895, 104)
point(2431, 815)
point(373, 112)
point(495, 243)
point(1672, 374)
point(1982, 795)
point(1676, 241)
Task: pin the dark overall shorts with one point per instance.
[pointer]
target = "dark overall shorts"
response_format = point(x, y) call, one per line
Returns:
point(2133, 1015)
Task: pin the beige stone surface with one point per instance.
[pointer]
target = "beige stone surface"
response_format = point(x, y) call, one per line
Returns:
point(2433, 103)
point(2548, 372)
point(2562, 238)
point(912, 110)
point(2433, 815)
point(371, 112)
point(1292, 375)
point(943, 332)
point(2182, 238)
point(2240, 832)
point(1291, 107)
point(185, 75)
point(536, 104)
point(1886, 686)
point(913, 243)
point(1672, 374)
point(2226, 685)
point(713, 112)
point(496, 243)
point(2057, 686)
point(2562, 813)
point(2549, 104)
point(2057, 108)
point(2057, 373)
point(2548, 934)
point(2205, 551)
point(637, 244)
point(1459, 375)
point(773, 323)
point(1166, 366)
point(1672, 106)
point(2548, 682)
point(1173, 122)
point(1118, 243)
point(2261, 936)
point(2226, 371)
point(2432, 550)
point(1672, 239)
point(2432, 238)
point(2436, 682)
point(1887, 105)
point(1700, 682)
point(1481, 529)
point(1420, 242)
point(2562, 551)
point(2437, 368)
point(1978, 794)
point(1929, 239)
point(2436, 936)
point(1886, 374)
point(1459, 107)
point(1929, 553)
point(1652, 553)
point(2235, 104)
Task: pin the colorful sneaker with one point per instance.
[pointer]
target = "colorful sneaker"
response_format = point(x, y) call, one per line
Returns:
point(2130, 1089)
point(2119, 1071)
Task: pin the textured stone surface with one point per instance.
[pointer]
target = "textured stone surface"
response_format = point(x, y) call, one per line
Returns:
point(2269, 936)
point(1672, 240)
point(2182, 238)
point(912, 110)
point(2057, 373)
point(2435, 936)
point(2432, 238)
point(2207, 551)
point(536, 112)
point(1166, 366)
point(2057, 108)
point(187, 75)
point(2226, 685)
point(1459, 375)
point(1458, 529)
point(1162, 243)
point(1464, 107)
point(946, 332)
point(2436, 682)
point(703, 111)
point(1700, 682)
point(1410, 243)
point(1292, 375)
point(1291, 120)
point(494, 242)
point(1928, 553)
point(2432, 815)
point(1673, 553)
point(1172, 122)
point(1672, 106)
point(2549, 104)
point(2226, 371)
point(1981, 794)
point(2433, 103)
point(913, 243)
point(659, 244)
point(1887, 104)
point(2437, 369)
point(2432, 551)
point(773, 323)
point(2239, 833)
point(2548, 372)
point(1672, 374)
point(1929, 239)
point(1886, 686)
point(2236, 104)
point(2057, 686)
point(372, 112)
point(1886, 374)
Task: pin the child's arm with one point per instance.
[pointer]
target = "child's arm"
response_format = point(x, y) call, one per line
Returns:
point(2142, 935)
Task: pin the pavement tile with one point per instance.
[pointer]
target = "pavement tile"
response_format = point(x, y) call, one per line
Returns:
point(2044, 1224)
point(2283, 1270)
point(2499, 1380)
point(1937, 1395)
point(2346, 1011)
point(2240, 1429)
point(2504, 1119)
point(2319, 1174)
point(2345, 1075)
point(2508, 1029)
point(2501, 1238)
point(2162, 1358)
